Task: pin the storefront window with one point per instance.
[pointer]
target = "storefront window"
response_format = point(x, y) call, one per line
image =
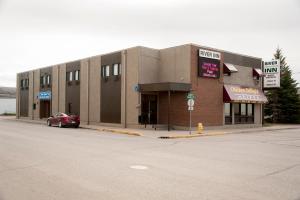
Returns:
point(243, 113)
point(250, 109)
point(236, 109)
point(227, 112)
point(243, 109)
point(227, 109)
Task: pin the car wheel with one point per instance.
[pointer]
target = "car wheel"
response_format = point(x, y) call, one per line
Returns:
point(76, 126)
point(60, 125)
point(48, 123)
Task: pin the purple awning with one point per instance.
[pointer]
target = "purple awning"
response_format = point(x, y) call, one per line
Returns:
point(240, 94)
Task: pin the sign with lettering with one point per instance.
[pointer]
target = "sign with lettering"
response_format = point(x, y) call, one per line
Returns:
point(209, 64)
point(237, 93)
point(45, 95)
point(272, 74)
point(209, 68)
point(209, 54)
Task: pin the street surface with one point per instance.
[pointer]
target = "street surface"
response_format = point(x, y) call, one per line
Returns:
point(40, 162)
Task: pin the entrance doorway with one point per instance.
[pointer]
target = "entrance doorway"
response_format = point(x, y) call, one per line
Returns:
point(45, 109)
point(148, 109)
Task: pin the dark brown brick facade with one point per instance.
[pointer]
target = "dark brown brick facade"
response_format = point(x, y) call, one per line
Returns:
point(209, 95)
point(208, 107)
point(179, 114)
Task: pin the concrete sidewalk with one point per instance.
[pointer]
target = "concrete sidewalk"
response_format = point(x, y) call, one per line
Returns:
point(173, 133)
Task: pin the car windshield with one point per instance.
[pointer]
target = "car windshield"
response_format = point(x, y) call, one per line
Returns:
point(61, 115)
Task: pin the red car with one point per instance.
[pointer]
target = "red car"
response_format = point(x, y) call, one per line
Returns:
point(64, 120)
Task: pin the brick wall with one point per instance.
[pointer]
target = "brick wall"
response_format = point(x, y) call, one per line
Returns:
point(209, 95)
point(208, 107)
point(178, 109)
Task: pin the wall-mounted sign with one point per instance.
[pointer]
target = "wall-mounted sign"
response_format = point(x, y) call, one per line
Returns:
point(209, 54)
point(136, 88)
point(209, 68)
point(209, 64)
point(272, 74)
point(45, 95)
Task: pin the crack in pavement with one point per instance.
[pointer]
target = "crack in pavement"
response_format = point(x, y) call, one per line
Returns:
point(280, 170)
point(19, 168)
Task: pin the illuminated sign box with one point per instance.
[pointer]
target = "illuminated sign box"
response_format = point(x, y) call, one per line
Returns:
point(209, 64)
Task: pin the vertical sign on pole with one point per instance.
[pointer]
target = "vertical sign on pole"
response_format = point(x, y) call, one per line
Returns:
point(272, 74)
point(190, 103)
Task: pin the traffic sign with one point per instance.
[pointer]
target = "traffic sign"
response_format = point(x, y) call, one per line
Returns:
point(190, 96)
point(190, 108)
point(190, 102)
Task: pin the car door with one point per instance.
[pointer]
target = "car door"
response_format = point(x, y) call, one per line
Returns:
point(56, 119)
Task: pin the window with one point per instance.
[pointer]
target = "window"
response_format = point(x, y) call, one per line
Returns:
point(48, 80)
point(103, 71)
point(227, 112)
point(117, 69)
point(70, 78)
point(107, 70)
point(22, 83)
point(44, 80)
point(250, 109)
point(243, 109)
point(77, 75)
point(236, 109)
point(243, 113)
point(227, 109)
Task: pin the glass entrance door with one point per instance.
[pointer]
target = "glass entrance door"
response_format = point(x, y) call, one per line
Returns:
point(149, 109)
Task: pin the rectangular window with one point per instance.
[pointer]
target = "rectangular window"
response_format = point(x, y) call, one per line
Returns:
point(227, 109)
point(236, 109)
point(44, 80)
point(70, 78)
point(250, 109)
point(22, 84)
point(102, 71)
point(77, 75)
point(117, 68)
point(48, 80)
point(107, 70)
point(243, 109)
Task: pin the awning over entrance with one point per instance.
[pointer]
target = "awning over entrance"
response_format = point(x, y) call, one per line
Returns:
point(168, 86)
point(240, 94)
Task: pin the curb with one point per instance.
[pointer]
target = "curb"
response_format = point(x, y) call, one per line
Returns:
point(179, 136)
point(121, 132)
point(192, 135)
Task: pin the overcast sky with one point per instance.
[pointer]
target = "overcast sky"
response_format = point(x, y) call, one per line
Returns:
point(38, 33)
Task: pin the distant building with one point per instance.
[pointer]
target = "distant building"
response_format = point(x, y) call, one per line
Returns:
point(140, 85)
point(7, 100)
point(8, 92)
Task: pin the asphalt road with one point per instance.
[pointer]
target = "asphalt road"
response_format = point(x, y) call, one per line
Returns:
point(40, 162)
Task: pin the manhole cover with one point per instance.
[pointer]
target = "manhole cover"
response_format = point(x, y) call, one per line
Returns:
point(140, 167)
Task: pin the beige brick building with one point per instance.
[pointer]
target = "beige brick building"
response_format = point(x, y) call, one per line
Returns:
point(140, 86)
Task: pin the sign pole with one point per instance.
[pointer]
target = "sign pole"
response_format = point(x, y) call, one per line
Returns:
point(190, 121)
point(190, 103)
